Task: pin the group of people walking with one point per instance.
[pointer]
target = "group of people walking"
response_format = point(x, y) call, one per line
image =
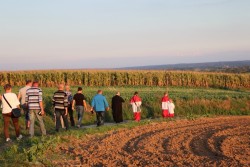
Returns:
point(30, 100)
point(31, 103)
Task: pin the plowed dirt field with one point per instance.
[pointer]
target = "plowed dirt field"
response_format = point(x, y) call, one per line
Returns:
point(221, 141)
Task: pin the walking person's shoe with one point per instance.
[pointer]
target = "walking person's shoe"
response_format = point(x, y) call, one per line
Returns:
point(19, 137)
point(8, 140)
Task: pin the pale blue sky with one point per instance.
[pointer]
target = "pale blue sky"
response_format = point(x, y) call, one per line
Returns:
point(50, 34)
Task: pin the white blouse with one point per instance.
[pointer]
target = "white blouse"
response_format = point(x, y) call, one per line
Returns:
point(12, 99)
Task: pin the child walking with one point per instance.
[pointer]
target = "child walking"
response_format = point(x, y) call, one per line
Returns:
point(171, 108)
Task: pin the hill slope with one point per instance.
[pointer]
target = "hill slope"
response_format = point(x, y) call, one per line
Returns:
point(225, 66)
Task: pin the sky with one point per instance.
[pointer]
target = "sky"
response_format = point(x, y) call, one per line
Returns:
point(73, 34)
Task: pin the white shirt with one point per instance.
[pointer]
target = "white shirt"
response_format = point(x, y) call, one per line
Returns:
point(164, 105)
point(135, 106)
point(22, 92)
point(171, 107)
point(12, 99)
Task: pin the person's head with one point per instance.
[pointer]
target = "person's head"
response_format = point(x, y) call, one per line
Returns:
point(28, 83)
point(118, 93)
point(67, 87)
point(170, 100)
point(79, 89)
point(35, 84)
point(165, 93)
point(136, 93)
point(61, 86)
point(99, 92)
point(7, 88)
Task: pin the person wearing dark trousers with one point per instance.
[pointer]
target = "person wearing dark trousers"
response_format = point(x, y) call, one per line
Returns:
point(100, 118)
point(99, 104)
point(60, 103)
point(117, 101)
point(70, 101)
point(79, 101)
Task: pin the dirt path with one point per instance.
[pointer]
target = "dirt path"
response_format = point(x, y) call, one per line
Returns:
point(222, 141)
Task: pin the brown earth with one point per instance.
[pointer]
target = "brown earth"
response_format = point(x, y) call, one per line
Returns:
point(222, 141)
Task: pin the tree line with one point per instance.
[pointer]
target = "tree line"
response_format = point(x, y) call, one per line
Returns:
point(124, 78)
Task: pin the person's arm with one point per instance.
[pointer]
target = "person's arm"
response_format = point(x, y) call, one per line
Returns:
point(85, 105)
point(122, 100)
point(132, 101)
point(73, 105)
point(53, 104)
point(26, 99)
point(140, 101)
point(17, 102)
point(41, 102)
point(106, 104)
point(66, 103)
point(92, 104)
point(19, 96)
point(66, 111)
point(41, 106)
point(53, 101)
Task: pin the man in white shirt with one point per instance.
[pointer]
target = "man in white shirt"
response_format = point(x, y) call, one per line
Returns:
point(21, 96)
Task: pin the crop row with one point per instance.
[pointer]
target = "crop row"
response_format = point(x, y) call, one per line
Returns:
point(124, 78)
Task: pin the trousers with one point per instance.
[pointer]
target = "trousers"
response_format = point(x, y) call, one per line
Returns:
point(6, 118)
point(71, 115)
point(33, 114)
point(59, 114)
point(100, 117)
point(79, 110)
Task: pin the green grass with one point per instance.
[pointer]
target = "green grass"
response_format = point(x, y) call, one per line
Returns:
point(190, 103)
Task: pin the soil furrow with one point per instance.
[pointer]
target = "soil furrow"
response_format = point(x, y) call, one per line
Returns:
point(222, 141)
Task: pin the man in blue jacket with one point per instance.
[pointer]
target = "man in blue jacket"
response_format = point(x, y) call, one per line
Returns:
point(100, 105)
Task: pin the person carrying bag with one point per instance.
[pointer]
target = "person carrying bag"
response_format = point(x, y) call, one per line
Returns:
point(10, 105)
point(16, 112)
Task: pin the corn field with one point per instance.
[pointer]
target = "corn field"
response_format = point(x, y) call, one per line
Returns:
point(125, 78)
